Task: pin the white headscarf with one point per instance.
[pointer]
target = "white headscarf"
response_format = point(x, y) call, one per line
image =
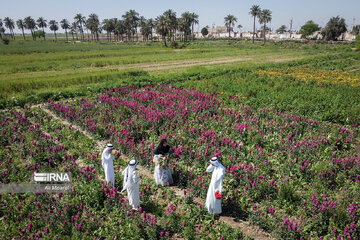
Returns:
point(128, 174)
point(214, 160)
point(106, 156)
point(218, 165)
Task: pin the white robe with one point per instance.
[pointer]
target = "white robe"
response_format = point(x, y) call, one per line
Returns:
point(131, 185)
point(108, 165)
point(162, 176)
point(218, 173)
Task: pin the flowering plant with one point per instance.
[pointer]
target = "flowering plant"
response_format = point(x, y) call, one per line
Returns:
point(163, 161)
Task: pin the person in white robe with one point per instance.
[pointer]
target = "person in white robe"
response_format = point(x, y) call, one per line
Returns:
point(218, 173)
point(131, 184)
point(108, 164)
point(162, 173)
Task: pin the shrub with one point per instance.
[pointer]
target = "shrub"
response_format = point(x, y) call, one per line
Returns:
point(6, 41)
point(357, 42)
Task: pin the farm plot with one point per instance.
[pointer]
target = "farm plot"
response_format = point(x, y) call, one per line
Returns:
point(92, 210)
point(285, 172)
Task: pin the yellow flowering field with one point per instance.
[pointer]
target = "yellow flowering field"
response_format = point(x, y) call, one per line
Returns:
point(321, 76)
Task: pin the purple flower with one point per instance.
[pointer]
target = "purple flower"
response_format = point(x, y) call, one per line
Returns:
point(29, 227)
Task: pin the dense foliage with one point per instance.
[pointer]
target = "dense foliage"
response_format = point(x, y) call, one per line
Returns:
point(285, 172)
point(91, 210)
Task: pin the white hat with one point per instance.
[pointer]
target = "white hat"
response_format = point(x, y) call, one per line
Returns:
point(132, 162)
point(109, 145)
point(213, 159)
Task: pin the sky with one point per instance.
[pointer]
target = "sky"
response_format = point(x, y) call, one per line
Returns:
point(210, 12)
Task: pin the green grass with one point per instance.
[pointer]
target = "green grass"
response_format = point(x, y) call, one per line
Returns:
point(33, 65)
point(34, 71)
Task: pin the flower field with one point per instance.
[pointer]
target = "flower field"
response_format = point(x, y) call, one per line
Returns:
point(289, 140)
point(284, 172)
point(91, 210)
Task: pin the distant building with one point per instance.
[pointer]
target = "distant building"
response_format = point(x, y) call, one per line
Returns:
point(347, 36)
point(220, 32)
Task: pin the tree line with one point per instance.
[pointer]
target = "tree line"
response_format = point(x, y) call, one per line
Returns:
point(167, 25)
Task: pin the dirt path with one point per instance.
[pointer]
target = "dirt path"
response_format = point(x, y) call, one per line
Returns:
point(79, 162)
point(248, 229)
point(155, 66)
point(165, 65)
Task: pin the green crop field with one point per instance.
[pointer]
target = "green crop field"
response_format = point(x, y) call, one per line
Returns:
point(34, 71)
point(283, 118)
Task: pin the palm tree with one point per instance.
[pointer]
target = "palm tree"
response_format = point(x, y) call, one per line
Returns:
point(86, 27)
point(131, 20)
point(240, 27)
point(41, 23)
point(171, 21)
point(108, 26)
point(264, 18)
point(119, 28)
point(161, 27)
point(21, 25)
point(2, 29)
point(115, 22)
point(9, 23)
point(31, 25)
point(65, 25)
point(142, 21)
point(185, 23)
point(230, 22)
point(255, 11)
point(146, 29)
point(54, 27)
point(80, 21)
point(93, 24)
point(150, 23)
point(194, 20)
point(73, 29)
point(281, 29)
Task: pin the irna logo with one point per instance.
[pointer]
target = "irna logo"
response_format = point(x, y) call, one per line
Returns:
point(52, 177)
